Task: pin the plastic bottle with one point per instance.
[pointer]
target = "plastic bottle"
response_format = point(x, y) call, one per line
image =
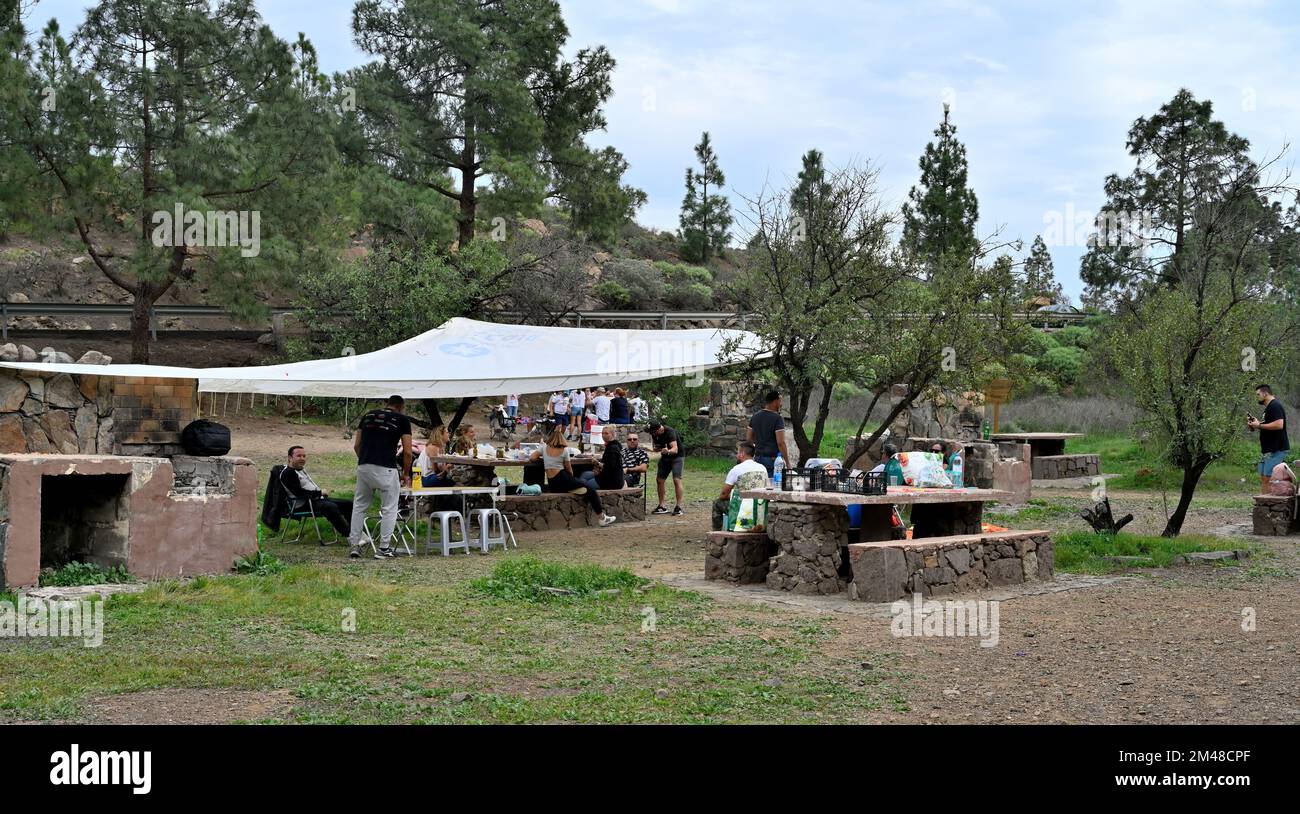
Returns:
point(956, 462)
point(776, 471)
point(988, 431)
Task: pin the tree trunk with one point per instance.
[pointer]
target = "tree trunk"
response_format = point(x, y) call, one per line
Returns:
point(461, 409)
point(1191, 476)
point(1103, 520)
point(141, 309)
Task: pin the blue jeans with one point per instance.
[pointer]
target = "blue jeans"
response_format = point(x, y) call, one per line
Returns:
point(512, 410)
point(768, 463)
point(1268, 460)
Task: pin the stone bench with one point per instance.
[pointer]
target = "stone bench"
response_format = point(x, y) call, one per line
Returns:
point(1054, 467)
point(550, 510)
point(938, 566)
point(1275, 516)
point(738, 556)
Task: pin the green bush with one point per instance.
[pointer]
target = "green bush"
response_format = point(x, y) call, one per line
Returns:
point(1075, 336)
point(613, 294)
point(528, 578)
point(84, 573)
point(1063, 364)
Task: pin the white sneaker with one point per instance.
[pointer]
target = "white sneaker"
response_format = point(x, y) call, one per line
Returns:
point(608, 521)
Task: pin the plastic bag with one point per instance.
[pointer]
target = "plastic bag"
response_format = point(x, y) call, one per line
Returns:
point(924, 469)
point(1282, 482)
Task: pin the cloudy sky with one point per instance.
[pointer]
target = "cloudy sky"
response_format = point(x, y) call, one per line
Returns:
point(1042, 94)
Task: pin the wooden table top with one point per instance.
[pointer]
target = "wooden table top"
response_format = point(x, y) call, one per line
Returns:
point(465, 460)
point(897, 495)
point(1034, 436)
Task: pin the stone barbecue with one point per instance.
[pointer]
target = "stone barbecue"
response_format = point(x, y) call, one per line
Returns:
point(157, 517)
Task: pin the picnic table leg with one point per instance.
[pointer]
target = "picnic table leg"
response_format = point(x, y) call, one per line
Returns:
point(877, 523)
point(946, 519)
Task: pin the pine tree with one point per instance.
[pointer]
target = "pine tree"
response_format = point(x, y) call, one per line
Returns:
point(706, 216)
point(812, 189)
point(941, 211)
point(1040, 281)
point(471, 92)
point(212, 123)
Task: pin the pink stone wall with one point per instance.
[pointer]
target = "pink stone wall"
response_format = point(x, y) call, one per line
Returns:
point(171, 533)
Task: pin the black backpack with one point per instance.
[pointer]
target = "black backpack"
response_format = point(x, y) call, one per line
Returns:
point(205, 437)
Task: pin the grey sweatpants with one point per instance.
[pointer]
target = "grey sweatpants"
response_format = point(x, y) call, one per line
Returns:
point(369, 478)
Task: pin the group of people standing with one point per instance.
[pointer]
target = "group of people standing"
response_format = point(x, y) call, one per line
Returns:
point(572, 409)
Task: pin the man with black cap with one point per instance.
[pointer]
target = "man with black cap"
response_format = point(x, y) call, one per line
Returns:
point(668, 443)
point(376, 441)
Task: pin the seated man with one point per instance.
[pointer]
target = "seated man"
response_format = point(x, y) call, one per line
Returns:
point(608, 472)
point(746, 474)
point(310, 497)
point(636, 461)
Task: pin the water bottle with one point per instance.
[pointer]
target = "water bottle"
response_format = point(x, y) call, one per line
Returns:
point(957, 479)
point(776, 471)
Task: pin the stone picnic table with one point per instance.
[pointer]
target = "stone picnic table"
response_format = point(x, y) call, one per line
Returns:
point(810, 528)
point(580, 462)
point(1047, 458)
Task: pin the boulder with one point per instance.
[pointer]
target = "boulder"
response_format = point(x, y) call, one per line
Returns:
point(18, 296)
point(13, 391)
point(9, 352)
point(26, 354)
point(58, 428)
point(94, 357)
point(37, 440)
point(12, 438)
point(86, 426)
point(62, 391)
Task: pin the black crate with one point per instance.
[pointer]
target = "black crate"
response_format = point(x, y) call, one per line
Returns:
point(810, 477)
point(849, 483)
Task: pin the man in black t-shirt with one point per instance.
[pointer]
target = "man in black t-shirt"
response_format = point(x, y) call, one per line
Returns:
point(668, 443)
point(767, 432)
point(377, 438)
point(1273, 443)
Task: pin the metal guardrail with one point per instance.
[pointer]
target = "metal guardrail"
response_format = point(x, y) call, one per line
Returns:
point(664, 318)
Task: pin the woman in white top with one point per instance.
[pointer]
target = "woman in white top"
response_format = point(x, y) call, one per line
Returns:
point(577, 406)
point(559, 474)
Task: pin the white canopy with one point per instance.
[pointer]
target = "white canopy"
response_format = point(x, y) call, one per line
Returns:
point(465, 357)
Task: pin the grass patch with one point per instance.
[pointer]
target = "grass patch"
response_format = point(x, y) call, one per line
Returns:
point(1140, 468)
point(528, 578)
point(83, 573)
point(1087, 552)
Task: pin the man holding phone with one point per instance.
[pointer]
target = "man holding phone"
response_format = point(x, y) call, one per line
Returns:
point(1273, 443)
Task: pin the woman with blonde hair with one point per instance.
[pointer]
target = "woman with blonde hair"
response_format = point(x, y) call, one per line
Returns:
point(559, 473)
point(435, 474)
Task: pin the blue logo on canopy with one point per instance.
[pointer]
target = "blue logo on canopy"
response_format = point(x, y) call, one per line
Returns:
point(466, 349)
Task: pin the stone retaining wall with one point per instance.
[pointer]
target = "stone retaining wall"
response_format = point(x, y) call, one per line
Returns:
point(1053, 467)
point(1275, 516)
point(549, 511)
point(884, 572)
point(738, 556)
point(55, 413)
point(809, 538)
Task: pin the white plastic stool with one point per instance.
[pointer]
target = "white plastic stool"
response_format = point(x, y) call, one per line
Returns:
point(445, 523)
point(491, 529)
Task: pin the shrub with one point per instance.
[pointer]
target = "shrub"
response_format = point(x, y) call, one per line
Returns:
point(1063, 364)
point(528, 578)
point(613, 294)
point(84, 573)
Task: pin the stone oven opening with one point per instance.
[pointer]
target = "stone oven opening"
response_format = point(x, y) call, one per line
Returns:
point(84, 518)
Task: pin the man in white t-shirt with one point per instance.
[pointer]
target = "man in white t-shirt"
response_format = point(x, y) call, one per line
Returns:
point(551, 402)
point(746, 474)
point(601, 402)
point(577, 406)
point(638, 406)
